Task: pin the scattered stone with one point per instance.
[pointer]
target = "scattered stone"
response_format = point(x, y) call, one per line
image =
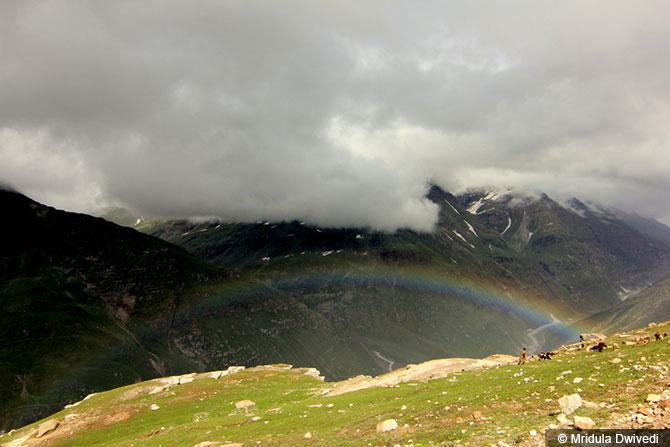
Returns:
point(244, 404)
point(532, 433)
point(577, 380)
point(154, 407)
point(654, 398)
point(158, 389)
point(563, 420)
point(308, 435)
point(588, 404)
point(313, 372)
point(570, 403)
point(387, 425)
point(256, 418)
point(47, 427)
point(644, 410)
point(584, 423)
point(70, 417)
point(615, 360)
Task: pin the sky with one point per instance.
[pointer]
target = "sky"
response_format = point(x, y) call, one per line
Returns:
point(338, 113)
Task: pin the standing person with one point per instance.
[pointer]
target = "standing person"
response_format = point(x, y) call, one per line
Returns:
point(522, 357)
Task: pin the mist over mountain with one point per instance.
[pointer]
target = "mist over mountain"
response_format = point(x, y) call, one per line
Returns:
point(308, 112)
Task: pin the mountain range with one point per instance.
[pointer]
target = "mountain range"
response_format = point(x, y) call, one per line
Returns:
point(87, 305)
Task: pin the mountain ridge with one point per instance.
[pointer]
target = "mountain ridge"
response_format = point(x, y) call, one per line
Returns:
point(349, 301)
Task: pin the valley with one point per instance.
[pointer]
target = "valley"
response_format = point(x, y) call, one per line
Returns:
point(178, 296)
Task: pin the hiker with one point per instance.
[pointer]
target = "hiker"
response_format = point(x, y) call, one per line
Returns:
point(657, 335)
point(522, 357)
point(581, 339)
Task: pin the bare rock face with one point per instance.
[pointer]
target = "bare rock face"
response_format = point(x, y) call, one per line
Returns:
point(570, 403)
point(47, 427)
point(387, 425)
point(583, 423)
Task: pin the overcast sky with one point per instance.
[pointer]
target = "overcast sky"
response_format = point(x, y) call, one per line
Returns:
point(334, 112)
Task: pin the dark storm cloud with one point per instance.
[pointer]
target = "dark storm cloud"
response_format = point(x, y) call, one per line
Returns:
point(333, 112)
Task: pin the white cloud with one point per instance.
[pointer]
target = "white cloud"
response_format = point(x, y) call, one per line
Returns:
point(336, 113)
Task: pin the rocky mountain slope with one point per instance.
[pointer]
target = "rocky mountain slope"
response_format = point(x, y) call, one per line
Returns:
point(88, 305)
point(594, 254)
point(625, 386)
point(636, 310)
point(84, 305)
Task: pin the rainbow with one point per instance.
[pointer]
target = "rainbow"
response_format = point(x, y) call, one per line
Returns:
point(537, 312)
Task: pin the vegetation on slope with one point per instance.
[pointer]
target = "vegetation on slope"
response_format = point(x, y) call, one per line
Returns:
point(512, 404)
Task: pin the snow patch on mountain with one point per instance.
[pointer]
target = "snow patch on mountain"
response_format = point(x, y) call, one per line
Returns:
point(452, 206)
point(471, 228)
point(509, 224)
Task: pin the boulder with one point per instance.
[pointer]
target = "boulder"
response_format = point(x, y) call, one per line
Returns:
point(654, 398)
point(563, 420)
point(387, 425)
point(244, 404)
point(154, 407)
point(47, 427)
point(584, 423)
point(644, 410)
point(570, 403)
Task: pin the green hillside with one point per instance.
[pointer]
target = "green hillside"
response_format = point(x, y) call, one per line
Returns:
point(87, 305)
point(508, 405)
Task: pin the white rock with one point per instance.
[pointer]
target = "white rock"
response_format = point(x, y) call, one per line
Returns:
point(584, 423)
point(154, 407)
point(47, 427)
point(387, 425)
point(243, 404)
point(654, 398)
point(563, 420)
point(308, 435)
point(570, 403)
point(158, 389)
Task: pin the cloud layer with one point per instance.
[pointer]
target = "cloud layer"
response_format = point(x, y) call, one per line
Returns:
point(337, 113)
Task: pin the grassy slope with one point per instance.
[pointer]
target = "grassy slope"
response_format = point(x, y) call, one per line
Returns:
point(82, 304)
point(436, 411)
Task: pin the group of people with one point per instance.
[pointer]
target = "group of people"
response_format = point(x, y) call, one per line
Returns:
point(599, 347)
point(542, 356)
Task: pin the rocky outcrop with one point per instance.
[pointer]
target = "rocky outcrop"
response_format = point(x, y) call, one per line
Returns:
point(433, 369)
